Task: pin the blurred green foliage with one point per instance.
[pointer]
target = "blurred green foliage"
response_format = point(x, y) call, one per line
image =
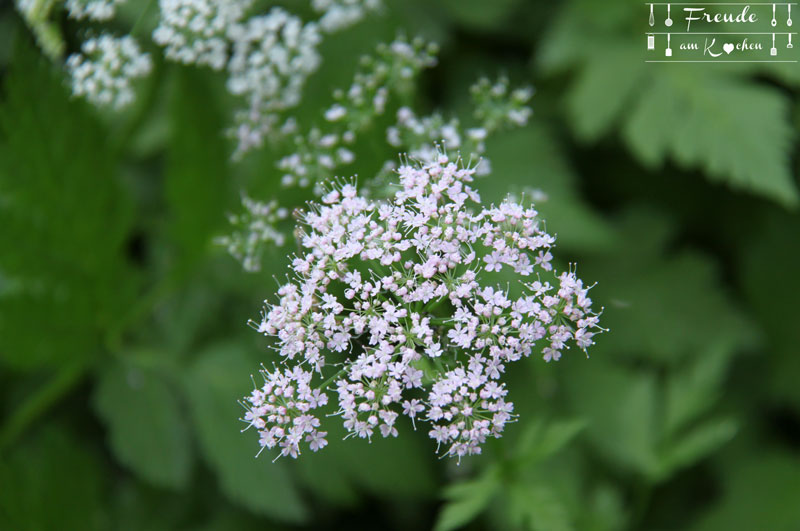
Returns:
point(124, 350)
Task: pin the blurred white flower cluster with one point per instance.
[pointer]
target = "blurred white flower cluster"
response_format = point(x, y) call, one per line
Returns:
point(496, 107)
point(324, 148)
point(398, 299)
point(340, 14)
point(104, 70)
point(98, 10)
point(195, 31)
point(273, 55)
point(316, 156)
point(254, 228)
point(268, 57)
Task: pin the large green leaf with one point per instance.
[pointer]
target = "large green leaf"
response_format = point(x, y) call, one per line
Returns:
point(716, 118)
point(760, 493)
point(64, 222)
point(147, 427)
point(214, 385)
point(531, 159)
point(466, 501)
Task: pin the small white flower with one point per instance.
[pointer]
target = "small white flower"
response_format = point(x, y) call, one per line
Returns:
point(193, 31)
point(99, 10)
point(104, 70)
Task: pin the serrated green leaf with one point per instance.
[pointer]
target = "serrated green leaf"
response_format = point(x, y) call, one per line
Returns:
point(146, 425)
point(736, 131)
point(214, 385)
point(541, 440)
point(610, 77)
point(538, 508)
point(650, 297)
point(64, 221)
point(466, 501)
point(716, 119)
point(698, 442)
point(693, 390)
point(620, 406)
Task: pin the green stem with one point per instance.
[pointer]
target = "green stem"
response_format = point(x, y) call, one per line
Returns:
point(42, 400)
point(327, 382)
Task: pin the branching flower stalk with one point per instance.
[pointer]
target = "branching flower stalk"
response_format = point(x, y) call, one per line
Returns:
point(268, 57)
point(326, 150)
point(401, 301)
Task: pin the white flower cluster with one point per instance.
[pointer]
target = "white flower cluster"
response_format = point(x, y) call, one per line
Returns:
point(272, 56)
point(194, 31)
point(419, 135)
point(496, 107)
point(98, 10)
point(254, 228)
point(340, 14)
point(104, 70)
point(391, 70)
point(319, 153)
point(399, 294)
point(285, 401)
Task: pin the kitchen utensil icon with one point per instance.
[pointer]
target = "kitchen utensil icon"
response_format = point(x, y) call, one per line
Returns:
point(651, 42)
point(668, 22)
point(789, 20)
point(789, 44)
point(774, 20)
point(773, 51)
point(652, 18)
point(668, 51)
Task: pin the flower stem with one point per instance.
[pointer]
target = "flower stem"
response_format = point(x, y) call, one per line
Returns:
point(42, 400)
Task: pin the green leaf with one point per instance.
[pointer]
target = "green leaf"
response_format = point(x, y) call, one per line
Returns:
point(540, 440)
point(466, 501)
point(531, 159)
point(197, 176)
point(693, 390)
point(214, 385)
point(620, 406)
point(716, 119)
point(538, 508)
point(649, 297)
point(52, 481)
point(759, 493)
point(736, 131)
point(768, 267)
point(698, 443)
point(146, 425)
point(64, 222)
point(610, 77)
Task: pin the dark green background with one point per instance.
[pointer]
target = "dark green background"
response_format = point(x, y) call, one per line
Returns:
point(124, 350)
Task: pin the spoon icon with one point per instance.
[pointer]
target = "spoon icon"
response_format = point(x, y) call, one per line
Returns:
point(774, 20)
point(652, 19)
point(668, 22)
point(789, 20)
